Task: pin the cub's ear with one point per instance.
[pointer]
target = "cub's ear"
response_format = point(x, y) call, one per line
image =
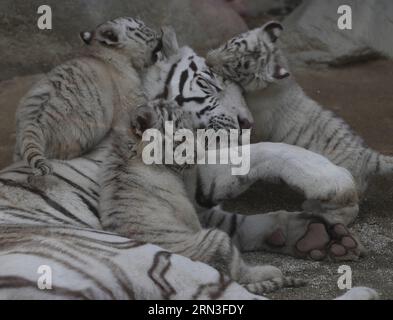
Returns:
point(108, 36)
point(143, 118)
point(273, 29)
point(86, 37)
point(216, 59)
point(213, 58)
point(280, 73)
point(170, 45)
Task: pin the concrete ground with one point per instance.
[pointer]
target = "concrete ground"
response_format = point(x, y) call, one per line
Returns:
point(363, 96)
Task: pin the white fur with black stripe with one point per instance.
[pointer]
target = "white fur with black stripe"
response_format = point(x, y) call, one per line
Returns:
point(58, 224)
point(59, 227)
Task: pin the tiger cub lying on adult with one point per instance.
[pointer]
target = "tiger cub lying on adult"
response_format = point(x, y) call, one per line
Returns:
point(74, 106)
point(283, 112)
point(136, 203)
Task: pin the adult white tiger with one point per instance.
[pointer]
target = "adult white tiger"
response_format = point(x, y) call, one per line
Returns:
point(283, 112)
point(59, 226)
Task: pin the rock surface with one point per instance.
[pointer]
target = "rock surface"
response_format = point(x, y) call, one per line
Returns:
point(25, 49)
point(312, 35)
point(255, 8)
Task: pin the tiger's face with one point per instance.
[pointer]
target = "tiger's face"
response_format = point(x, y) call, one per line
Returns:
point(211, 101)
point(129, 37)
point(251, 59)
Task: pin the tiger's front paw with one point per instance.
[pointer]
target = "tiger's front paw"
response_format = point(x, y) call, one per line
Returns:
point(320, 180)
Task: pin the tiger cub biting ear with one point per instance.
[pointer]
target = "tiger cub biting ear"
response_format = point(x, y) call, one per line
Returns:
point(73, 107)
point(283, 112)
point(135, 202)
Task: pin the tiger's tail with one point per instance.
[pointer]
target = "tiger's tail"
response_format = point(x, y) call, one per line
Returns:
point(272, 285)
point(32, 150)
point(384, 164)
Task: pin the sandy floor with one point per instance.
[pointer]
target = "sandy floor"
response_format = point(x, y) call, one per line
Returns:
point(362, 95)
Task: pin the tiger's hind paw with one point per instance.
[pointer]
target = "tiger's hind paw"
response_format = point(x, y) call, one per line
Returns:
point(312, 237)
point(334, 243)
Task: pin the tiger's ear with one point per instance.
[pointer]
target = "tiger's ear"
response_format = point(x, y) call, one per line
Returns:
point(273, 29)
point(170, 45)
point(215, 59)
point(86, 37)
point(143, 118)
point(109, 36)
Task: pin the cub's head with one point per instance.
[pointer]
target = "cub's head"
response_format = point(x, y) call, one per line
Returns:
point(127, 36)
point(169, 122)
point(154, 115)
point(251, 59)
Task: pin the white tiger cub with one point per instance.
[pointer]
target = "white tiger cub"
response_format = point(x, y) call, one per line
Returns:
point(73, 107)
point(283, 112)
point(135, 202)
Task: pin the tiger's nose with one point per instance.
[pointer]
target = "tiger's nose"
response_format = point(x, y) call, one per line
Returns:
point(244, 123)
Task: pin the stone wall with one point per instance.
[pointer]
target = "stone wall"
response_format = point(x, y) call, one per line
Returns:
point(312, 36)
point(25, 49)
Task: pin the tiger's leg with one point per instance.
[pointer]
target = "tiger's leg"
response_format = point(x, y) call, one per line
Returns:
point(215, 248)
point(300, 234)
point(329, 189)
